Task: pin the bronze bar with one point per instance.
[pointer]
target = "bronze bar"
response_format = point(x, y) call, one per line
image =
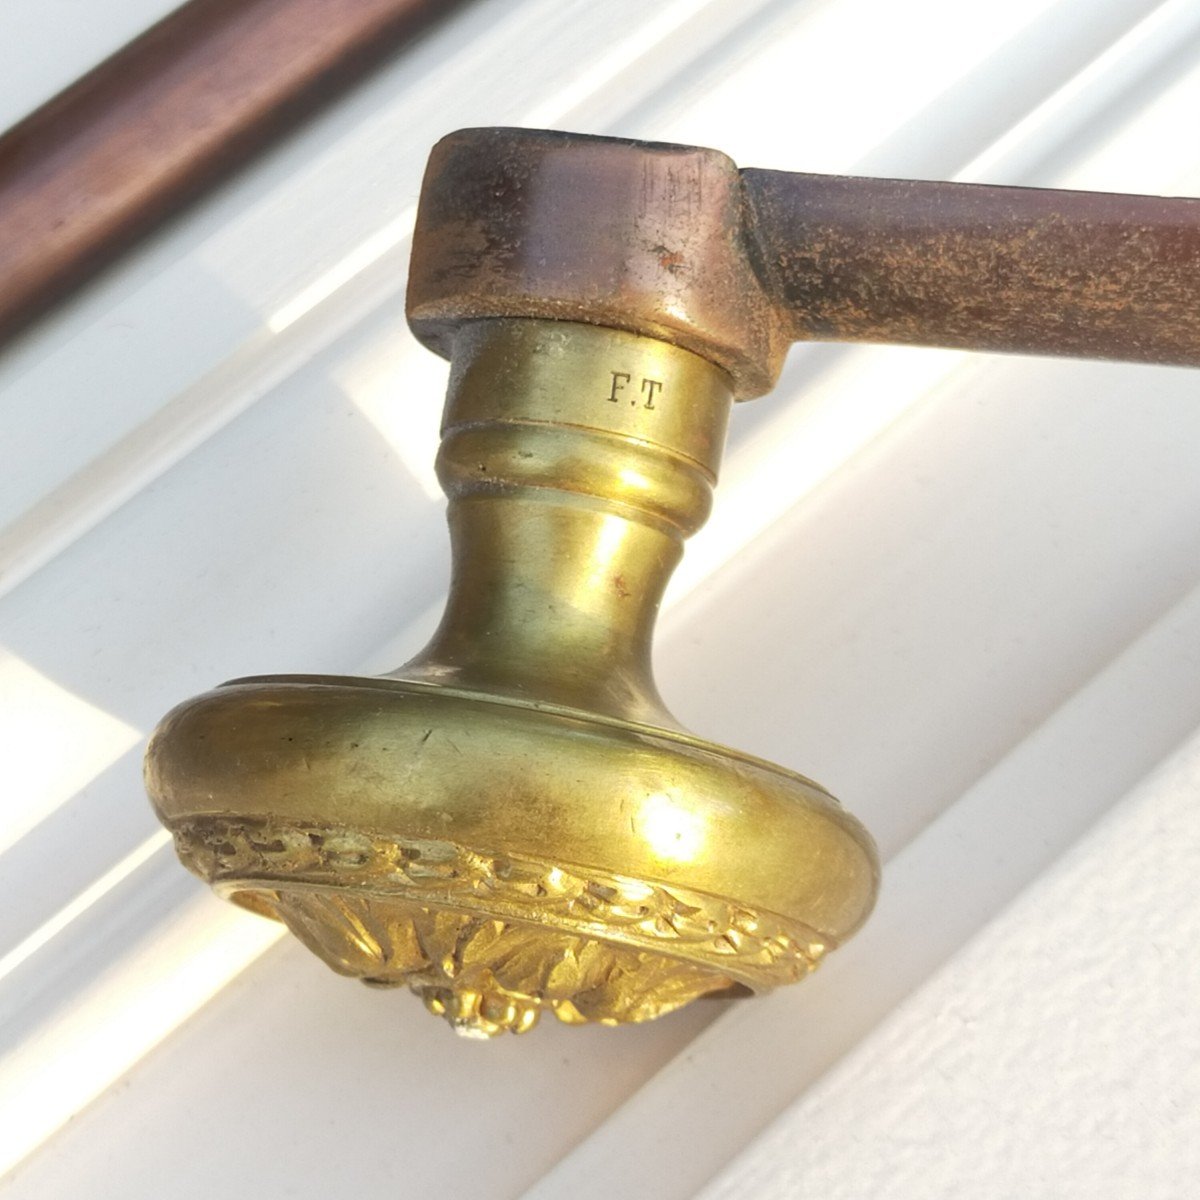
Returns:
point(674, 242)
point(164, 118)
point(1026, 270)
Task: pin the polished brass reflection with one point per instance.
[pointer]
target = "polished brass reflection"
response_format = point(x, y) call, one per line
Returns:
point(513, 823)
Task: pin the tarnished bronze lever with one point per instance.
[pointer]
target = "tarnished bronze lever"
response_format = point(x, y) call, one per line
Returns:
point(1025, 270)
point(513, 823)
point(675, 241)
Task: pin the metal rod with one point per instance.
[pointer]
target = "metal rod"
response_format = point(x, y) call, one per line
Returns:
point(166, 117)
point(1026, 270)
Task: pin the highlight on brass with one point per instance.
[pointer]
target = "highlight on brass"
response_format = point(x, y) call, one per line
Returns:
point(512, 823)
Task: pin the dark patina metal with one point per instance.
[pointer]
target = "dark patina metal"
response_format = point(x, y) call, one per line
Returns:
point(675, 242)
point(1030, 270)
point(631, 235)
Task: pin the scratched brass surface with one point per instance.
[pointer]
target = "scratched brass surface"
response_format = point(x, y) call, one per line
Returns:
point(513, 823)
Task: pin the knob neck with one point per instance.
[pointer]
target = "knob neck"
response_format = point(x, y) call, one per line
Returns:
point(576, 459)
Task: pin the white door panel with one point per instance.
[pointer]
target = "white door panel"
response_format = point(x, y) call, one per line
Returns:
point(962, 591)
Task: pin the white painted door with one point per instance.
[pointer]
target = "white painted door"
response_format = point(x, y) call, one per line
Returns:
point(962, 591)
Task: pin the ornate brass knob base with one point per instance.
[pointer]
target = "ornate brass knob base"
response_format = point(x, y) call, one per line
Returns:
point(513, 823)
point(500, 858)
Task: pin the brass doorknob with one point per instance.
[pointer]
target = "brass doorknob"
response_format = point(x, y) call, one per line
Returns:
point(513, 822)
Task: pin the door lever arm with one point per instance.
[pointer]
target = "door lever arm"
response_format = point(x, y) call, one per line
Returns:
point(676, 242)
point(977, 267)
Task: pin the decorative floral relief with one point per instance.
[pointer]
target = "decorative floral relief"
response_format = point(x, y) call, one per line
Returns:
point(488, 976)
point(490, 941)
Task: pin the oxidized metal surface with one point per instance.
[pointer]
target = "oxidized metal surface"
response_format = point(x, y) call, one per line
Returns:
point(629, 235)
point(675, 242)
point(512, 823)
point(982, 268)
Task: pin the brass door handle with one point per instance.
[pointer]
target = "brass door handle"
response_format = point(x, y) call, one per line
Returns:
point(512, 823)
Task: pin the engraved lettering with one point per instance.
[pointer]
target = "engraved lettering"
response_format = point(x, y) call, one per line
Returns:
point(649, 390)
point(619, 379)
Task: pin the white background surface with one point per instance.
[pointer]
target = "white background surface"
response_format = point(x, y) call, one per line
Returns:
point(964, 592)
